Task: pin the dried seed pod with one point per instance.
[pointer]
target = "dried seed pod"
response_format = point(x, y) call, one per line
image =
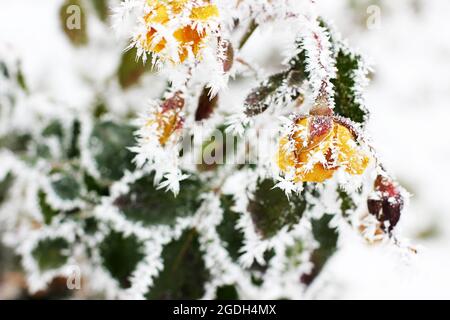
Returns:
point(386, 202)
point(206, 105)
point(229, 56)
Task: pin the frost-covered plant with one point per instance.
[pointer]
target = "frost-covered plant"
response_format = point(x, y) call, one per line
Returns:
point(208, 191)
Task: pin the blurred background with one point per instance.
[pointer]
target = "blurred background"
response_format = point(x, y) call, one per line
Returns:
point(407, 42)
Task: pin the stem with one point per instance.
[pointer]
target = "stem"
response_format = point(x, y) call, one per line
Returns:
point(250, 30)
point(248, 65)
point(183, 251)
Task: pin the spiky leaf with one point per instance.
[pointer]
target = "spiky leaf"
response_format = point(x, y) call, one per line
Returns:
point(121, 255)
point(109, 143)
point(232, 237)
point(227, 292)
point(258, 270)
point(46, 210)
point(271, 210)
point(278, 88)
point(346, 96)
point(16, 142)
point(66, 185)
point(184, 274)
point(130, 69)
point(327, 238)
point(147, 204)
point(5, 184)
point(347, 202)
point(51, 253)
point(74, 148)
point(101, 8)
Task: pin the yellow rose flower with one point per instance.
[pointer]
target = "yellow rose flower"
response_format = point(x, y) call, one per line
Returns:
point(317, 148)
point(190, 37)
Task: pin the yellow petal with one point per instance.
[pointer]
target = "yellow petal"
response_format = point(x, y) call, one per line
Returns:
point(188, 38)
point(204, 13)
point(158, 15)
point(354, 160)
point(318, 174)
point(339, 139)
point(285, 159)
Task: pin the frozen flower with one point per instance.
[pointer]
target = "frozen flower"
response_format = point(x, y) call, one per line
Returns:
point(167, 119)
point(316, 147)
point(175, 30)
point(158, 141)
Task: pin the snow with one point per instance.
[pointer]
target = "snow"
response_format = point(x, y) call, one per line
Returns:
point(408, 99)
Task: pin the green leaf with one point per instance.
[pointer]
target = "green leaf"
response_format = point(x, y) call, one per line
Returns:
point(271, 210)
point(227, 230)
point(38, 147)
point(90, 225)
point(121, 255)
point(41, 148)
point(327, 238)
point(299, 61)
point(17, 142)
point(346, 98)
point(67, 137)
point(325, 235)
point(92, 185)
point(73, 21)
point(131, 69)
point(51, 253)
point(347, 102)
point(184, 274)
point(273, 90)
point(294, 252)
point(66, 185)
point(100, 109)
point(151, 206)
point(109, 143)
point(21, 79)
point(253, 25)
point(47, 211)
point(348, 65)
point(347, 203)
point(280, 88)
point(227, 292)
point(101, 8)
point(4, 69)
point(55, 129)
point(5, 184)
point(74, 148)
point(258, 271)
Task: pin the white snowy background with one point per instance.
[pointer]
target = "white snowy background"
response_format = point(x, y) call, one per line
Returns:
point(409, 47)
